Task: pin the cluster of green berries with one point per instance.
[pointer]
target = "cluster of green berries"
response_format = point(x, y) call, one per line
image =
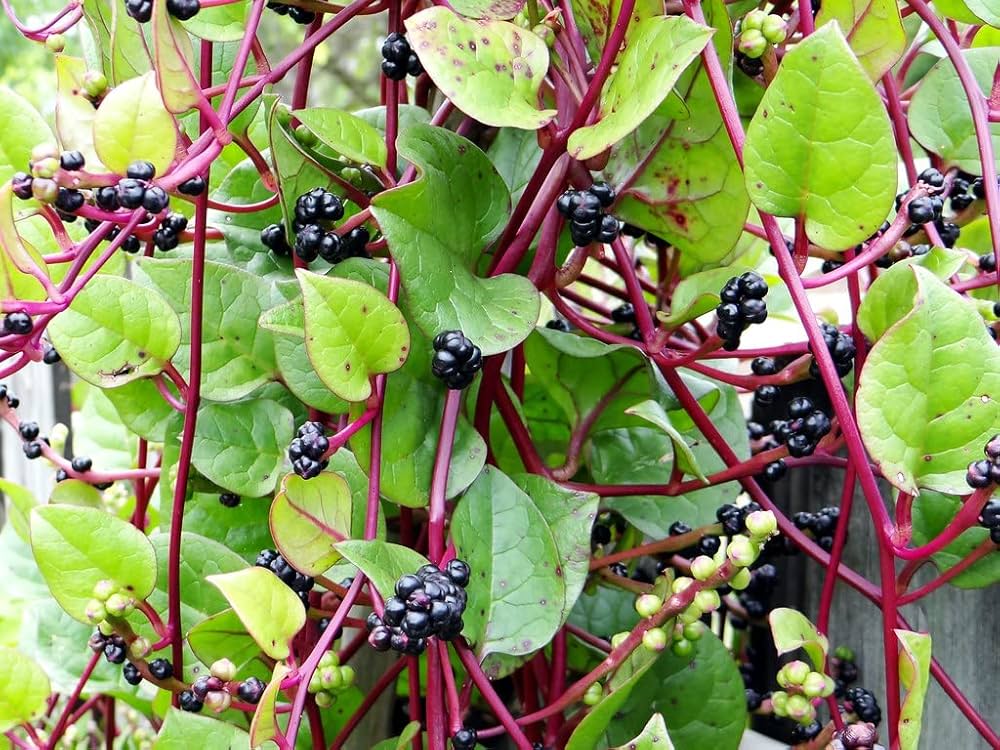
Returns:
point(301, 584)
point(307, 450)
point(429, 603)
point(315, 212)
point(182, 10)
point(109, 601)
point(456, 359)
point(801, 687)
point(329, 679)
point(986, 471)
point(398, 59)
point(585, 211)
point(742, 304)
point(759, 29)
point(215, 690)
point(297, 14)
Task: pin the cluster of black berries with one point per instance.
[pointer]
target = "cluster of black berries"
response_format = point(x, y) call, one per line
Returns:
point(845, 671)
point(18, 324)
point(5, 395)
point(130, 244)
point(927, 209)
point(804, 428)
point(987, 262)
point(306, 450)
point(182, 10)
point(707, 545)
point(314, 211)
point(67, 201)
point(734, 517)
point(755, 598)
point(841, 348)
point(167, 235)
point(29, 434)
point(398, 59)
point(429, 603)
point(297, 14)
point(584, 209)
point(464, 739)
point(134, 191)
point(456, 359)
point(742, 304)
point(901, 251)
point(80, 465)
point(862, 704)
point(960, 195)
point(989, 518)
point(112, 646)
point(296, 581)
point(986, 471)
point(821, 525)
point(160, 669)
point(805, 732)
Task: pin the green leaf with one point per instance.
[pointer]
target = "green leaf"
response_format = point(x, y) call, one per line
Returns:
point(76, 492)
point(939, 116)
point(237, 355)
point(914, 675)
point(271, 612)
point(411, 412)
point(873, 28)
point(18, 507)
point(173, 50)
point(18, 260)
point(77, 547)
point(653, 737)
point(515, 154)
point(24, 689)
point(353, 332)
point(23, 129)
point(932, 512)
point(589, 732)
point(658, 51)
point(404, 739)
point(241, 446)
point(383, 563)
point(346, 134)
point(694, 296)
point(98, 432)
point(791, 631)
point(436, 250)
point(116, 331)
point(957, 9)
point(511, 549)
point(142, 409)
point(803, 154)
point(220, 23)
point(264, 726)
point(596, 19)
point(701, 698)
point(309, 517)
point(605, 611)
point(684, 457)
point(223, 636)
point(183, 730)
point(490, 70)
point(927, 396)
point(132, 124)
point(74, 112)
point(119, 40)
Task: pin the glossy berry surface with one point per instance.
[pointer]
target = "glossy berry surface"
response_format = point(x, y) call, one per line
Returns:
point(456, 359)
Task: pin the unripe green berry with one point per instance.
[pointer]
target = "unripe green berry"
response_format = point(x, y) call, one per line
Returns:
point(305, 136)
point(753, 20)
point(779, 702)
point(544, 32)
point(682, 647)
point(655, 639)
point(691, 613)
point(761, 524)
point(119, 605)
point(315, 683)
point(707, 600)
point(774, 29)
point(105, 627)
point(330, 678)
point(844, 653)
point(351, 175)
point(693, 631)
point(224, 669)
point(95, 83)
point(793, 673)
point(752, 43)
point(95, 611)
point(741, 580)
point(800, 709)
point(104, 588)
point(648, 605)
point(283, 115)
point(680, 584)
point(593, 695)
point(703, 567)
point(139, 648)
point(829, 686)
point(44, 190)
point(347, 675)
point(57, 436)
point(44, 151)
point(325, 700)
point(55, 43)
point(742, 551)
point(218, 701)
point(329, 659)
point(618, 639)
point(814, 685)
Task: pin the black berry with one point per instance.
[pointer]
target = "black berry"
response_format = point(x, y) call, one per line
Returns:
point(81, 464)
point(194, 186)
point(139, 10)
point(229, 499)
point(161, 669)
point(464, 739)
point(71, 161)
point(28, 430)
point(456, 359)
point(18, 323)
point(188, 702)
point(131, 674)
point(251, 690)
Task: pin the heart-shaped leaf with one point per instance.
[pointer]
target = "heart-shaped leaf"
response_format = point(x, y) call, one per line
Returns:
point(308, 518)
point(914, 675)
point(653, 737)
point(132, 124)
point(927, 398)
point(264, 725)
point(383, 563)
point(241, 446)
point(353, 332)
point(346, 134)
point(804, 155)
point(791, 630)
point(491, 70)
point(939, 115)
point(116, 331)
point(24, 689)
point(77, 547)
point(271, 612)
point(658, 51)
point(874, 31)
point(438, 226)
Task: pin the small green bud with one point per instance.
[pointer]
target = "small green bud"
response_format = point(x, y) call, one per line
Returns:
point(707, 600)
point(315, 682)
point(703, 567)
point(105, 627)
point(793, 673)
point(329, 659)
point(325, 700)
point(774, 29)
point(814, 685)
point(752, 43)
point(44, 190)
point(742, 551)
point(95, 611)
point(618, 639)
point(330, 678)
point(693, 631)
point(594, 694)
point(844, 653)
point(305, 136)
point(104, 589)
point(55, 43)
point(692, 613)
point(648, 605)
point(224, 669)
point(761, 524)
point(95, 83)
point(741, 580)
point(800, 709)
point(347, 675)
point(57, 436)
point(351, 175)
point(753, 20)
point(139, 648)
point(779, 702)
point(682, 647)
point(218, 701)
point(680, 584)
point(119, 605)
point(655, 639)
point(283, 115)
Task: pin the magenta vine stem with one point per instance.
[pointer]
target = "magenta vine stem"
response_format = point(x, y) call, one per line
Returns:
point(59, 729)
point(439, 476)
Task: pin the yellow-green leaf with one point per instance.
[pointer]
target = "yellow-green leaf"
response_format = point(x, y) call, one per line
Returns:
point(271, 611)
point(133, 124)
